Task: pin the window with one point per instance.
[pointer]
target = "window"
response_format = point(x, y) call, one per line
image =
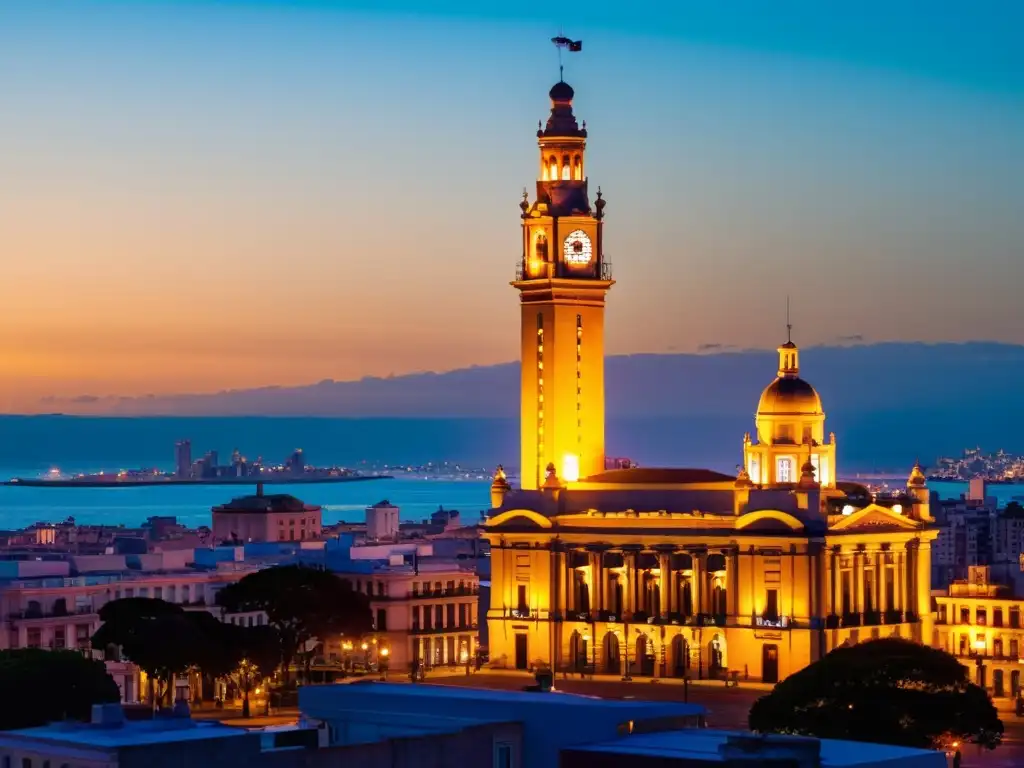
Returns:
point(502, 756)
point(771, 605)
point(754, 470)
point(450, 615)
point(997, 617)
point(784, 470)
point(521, 602)
point(439, 616)
point(965, 615)
point(382, 620)
point(1015, 617)
point(982, 617)
point(1014, 649)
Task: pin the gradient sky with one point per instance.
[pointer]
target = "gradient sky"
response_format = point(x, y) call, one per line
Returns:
point(198, 195)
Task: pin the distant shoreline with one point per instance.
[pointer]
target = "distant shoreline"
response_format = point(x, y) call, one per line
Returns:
point(87, 483)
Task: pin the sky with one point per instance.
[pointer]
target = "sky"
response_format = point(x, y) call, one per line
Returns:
point(202, 194)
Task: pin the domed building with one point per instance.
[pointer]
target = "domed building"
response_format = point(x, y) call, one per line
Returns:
point(674, 572)
point(790, 430)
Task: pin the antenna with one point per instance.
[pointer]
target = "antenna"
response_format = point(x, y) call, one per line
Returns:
point(561, 71)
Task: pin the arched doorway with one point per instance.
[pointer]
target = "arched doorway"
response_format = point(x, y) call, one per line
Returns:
point(680, 656)
point(612, 659)
point(716, 656)
point(578, 654)
point(615, 596)
point(644, 656)
point(685, 597)
point(997, 683)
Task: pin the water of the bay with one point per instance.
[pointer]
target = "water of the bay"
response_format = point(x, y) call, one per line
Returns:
point(415, 496)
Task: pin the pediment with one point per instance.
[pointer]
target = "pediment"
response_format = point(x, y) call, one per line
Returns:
point(769, 520)
point(518, 518)
point(874, 518)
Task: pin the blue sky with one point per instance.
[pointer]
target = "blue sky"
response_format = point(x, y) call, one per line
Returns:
point(215, 194)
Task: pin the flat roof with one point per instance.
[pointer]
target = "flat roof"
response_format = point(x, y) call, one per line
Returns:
point(427, 690)
point(703, 744)
point(130, 733)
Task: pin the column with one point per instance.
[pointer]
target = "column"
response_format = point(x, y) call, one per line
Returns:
point(858, 582)
point(836, 578)
point(732, 583)
point(597, 569)
point(664, 582)
point(924, 601)
point(698, 582)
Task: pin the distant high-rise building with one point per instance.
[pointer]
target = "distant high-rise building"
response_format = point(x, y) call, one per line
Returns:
point(183, 459)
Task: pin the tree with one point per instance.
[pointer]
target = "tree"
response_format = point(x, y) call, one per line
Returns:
point(303, 604)
point(160, 638)
point(889, 691)
point(41, 687)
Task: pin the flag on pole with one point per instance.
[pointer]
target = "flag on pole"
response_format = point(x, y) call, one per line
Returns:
point(572, 46)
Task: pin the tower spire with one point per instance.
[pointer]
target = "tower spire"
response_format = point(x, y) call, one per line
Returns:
point(789, 325)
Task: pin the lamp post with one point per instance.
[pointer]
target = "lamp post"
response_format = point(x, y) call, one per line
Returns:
point(978, 652)
point(382, 655)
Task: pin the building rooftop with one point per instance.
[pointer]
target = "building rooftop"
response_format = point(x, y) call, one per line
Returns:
point(127, 734)
point(451, 693)
point(659, 476)
point(272, 502)
point(702, 745)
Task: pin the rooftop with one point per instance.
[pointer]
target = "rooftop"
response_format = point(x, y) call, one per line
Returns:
point(654, 476)
point(273, 502)
point(704, 746)
point(127, 734)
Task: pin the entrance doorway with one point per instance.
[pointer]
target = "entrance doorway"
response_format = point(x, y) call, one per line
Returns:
point(645, 656)
point(612, 659)
point(770, 664)
point(680, 656)
point(522, 657)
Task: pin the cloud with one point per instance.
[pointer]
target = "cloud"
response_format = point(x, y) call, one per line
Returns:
point(83, 399)
point(854, 338)
point(715, 347)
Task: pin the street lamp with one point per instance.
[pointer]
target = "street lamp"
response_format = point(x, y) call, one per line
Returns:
point(978, 651)
point(382, 662)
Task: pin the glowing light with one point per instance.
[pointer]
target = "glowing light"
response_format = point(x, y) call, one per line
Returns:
point(570, 468)
point(849, 509)
point(365, 646)
point(385, 652)
point(979, 644)
point(897, 508)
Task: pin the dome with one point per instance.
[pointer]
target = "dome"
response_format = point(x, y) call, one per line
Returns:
point(561, 91)
point(790, 395)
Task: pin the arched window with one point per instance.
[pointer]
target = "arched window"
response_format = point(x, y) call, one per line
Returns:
point(540, 247)
point(566, 169)
point(553, 168)
point(577, 168)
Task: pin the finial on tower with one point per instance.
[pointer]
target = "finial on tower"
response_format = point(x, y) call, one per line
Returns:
point(789, 325)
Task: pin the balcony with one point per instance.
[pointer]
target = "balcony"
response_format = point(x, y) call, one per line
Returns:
point(432, 630)
point(584, 616)
point(894, 617)
point(612, 617)
point(605, 272)
point(851, 620)
point(521, 613)
point(446, 592)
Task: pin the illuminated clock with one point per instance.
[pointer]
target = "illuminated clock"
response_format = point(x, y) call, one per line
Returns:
point(576, 250)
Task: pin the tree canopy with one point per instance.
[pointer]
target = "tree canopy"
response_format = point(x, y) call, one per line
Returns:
point(43, 686)
point(302, 604)
point(888, 691)
point(164, 640)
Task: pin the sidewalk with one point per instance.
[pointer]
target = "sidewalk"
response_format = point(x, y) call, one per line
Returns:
point(750, 685)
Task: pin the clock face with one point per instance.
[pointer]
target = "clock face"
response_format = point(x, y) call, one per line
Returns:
point(577, 250)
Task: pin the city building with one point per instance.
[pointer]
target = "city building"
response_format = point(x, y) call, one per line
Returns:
point(266, 517)
point(382, 522)
point(675, 572)
point(979, 622)
point(110, 741)
point(183, 459)
point(55, 603)
point(531, 728)
point(425, 599)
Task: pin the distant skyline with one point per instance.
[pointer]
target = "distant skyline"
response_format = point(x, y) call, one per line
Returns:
point(203, 195)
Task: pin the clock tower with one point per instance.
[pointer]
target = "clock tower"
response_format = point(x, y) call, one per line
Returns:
point(562, 281)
